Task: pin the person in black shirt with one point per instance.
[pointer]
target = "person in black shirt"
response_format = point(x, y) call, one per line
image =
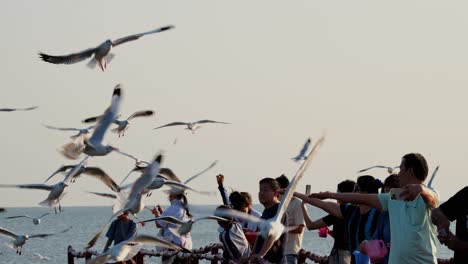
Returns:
point(456, 208)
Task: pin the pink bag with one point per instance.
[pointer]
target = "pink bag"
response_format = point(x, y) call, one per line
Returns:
point(375, 249)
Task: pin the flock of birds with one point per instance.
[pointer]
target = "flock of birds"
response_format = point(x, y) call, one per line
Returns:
point(130, 197)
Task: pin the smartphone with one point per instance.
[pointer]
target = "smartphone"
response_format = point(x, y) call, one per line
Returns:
point(307, 189)
point(395, 193)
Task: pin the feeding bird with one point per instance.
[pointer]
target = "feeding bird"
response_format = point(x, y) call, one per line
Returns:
point(19, 240)
point(36, 221)
point(18, 109)
point(390, 170)
point(273, 228)
point(122, 125)
point(101, 53)
point(129, 248)
point(303, 153)
point(192, 126)
point(81, 131)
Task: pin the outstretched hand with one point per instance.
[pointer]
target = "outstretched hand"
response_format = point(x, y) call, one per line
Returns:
point(320, 195)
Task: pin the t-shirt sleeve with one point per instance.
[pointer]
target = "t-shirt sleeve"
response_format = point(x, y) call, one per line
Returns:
point(111, 231)
point(384, 198)
point(329, 220)
point(456, 205)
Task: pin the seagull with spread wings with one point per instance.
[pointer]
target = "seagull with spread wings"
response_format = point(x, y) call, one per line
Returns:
point(36, 221)
point(18, 109)
point(192, 126)
point(390, 170)
point(19, 240)
point(303, 153)
point(81, 131)
point(101, 53)
point(122, 125)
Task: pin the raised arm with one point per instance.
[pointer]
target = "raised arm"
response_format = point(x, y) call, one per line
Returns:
point(371, 200)
point(329, 207)
point(429, 196)
point(310, 224)
point(222, 191)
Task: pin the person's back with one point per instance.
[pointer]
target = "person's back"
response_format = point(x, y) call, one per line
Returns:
point(121, 229)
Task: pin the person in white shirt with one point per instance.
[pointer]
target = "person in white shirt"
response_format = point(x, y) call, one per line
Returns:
point(235, 244)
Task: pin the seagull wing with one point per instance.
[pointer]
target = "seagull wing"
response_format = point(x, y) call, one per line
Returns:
point(75, 170)
point(102, 176)
point(61, 128)
point(107, 195)
point(373, 167)
point(17, 216)
point(210, 121)
point(61, 169)
point(201, 172)
point(212, 217)
point(231, 213)
point(7, 232)
point(141, 113)
point(173, 124)
point(139, 35)
point(43, 215)
point(168, 174)
point(107, 118)
point(146, 178)
point(145, 239)
point(169, 219)
point(91, 119)
point(68, 59)
point(50, 234)
point(433, 176)
point(17, 109)
point(28, 186)
point(295, 180)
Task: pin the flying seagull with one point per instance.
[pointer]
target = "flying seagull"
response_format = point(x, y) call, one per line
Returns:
point(36, 221)
point(303, 153)
point(18, 109)
point(192, 126)
point(122, 125)
point(101, 53)
point(81, 131)
point(433, 176)
point(129, 248)
point(273, 227)
point(19, 240)
point(390, 170)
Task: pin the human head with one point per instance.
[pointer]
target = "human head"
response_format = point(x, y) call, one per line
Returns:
point(413, 169)
point(248, 198)
point(123, 216)
point(368, 184)
point(239, 202)
point(283, 181)
point(346, 186)
point(225, 224)
point(392, 181)
point(268, 192)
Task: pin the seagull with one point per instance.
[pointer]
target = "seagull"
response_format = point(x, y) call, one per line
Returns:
point(36, 221)
point(433, 176)
point(303, 153)
point(91, 171)
point(19, 240)
point(129, 248)
point(2, 210)
point(273, 227)
point(18, 109)
point(122, 125)
point(107, 195)
point(101, 53)
point(184, 227)
point(390, 170)
point(81, 131)
point(134, 203)
point(192, 126)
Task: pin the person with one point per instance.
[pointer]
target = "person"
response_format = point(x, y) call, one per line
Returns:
point(121, 229)
point(412, 233)
point(231, 235)
point(456, 208)
point(294, 218)
point(178, 209)
point(360, 220)
point(340, 253)
point(269, 249)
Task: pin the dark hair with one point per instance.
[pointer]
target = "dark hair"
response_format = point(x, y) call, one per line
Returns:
point(368, 184)
point(392, 181)
point(238, 200)
point(247, 197)
point(272, 182)
point(346, 186)
point(418, 163)
point(283, 181)
point(230, 218)
point(184, 199)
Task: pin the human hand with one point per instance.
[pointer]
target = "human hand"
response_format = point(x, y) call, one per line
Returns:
point(411, 192)
point(321, 195)
point(220, 179)
point(142, 223)
point(451, 241)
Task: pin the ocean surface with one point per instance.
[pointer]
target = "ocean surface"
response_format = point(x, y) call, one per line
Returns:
point(86, 221)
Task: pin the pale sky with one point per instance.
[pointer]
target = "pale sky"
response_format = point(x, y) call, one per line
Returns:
point(381, 78)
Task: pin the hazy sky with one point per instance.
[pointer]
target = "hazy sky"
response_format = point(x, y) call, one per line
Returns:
point(382, 78)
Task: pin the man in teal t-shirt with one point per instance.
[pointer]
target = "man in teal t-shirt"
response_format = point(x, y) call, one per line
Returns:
point(413, 235)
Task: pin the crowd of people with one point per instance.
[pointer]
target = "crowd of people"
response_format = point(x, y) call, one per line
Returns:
point(397, 221)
